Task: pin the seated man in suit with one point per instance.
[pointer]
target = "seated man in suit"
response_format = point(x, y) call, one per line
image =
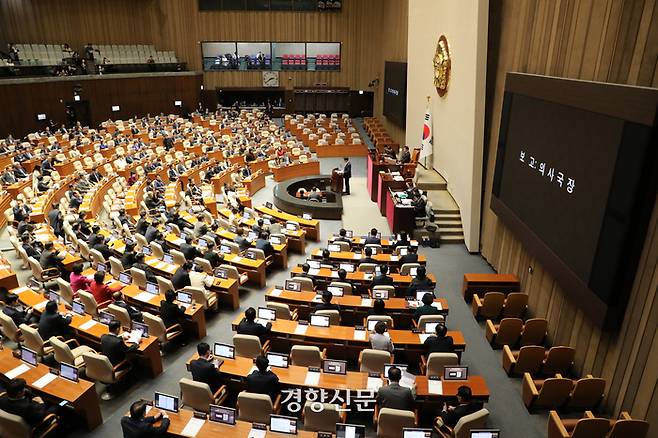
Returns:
point(411, 256)
point(367, 251)
point(152, 231)
point(102, 247)
point(420, 282)
point(134, 313)
point(326, 303)
point(128, 259)
point(52, 323)
point(170, 312)
point(214, 258)
point(204, 370)
point(248, 325)
point(18, 401)
point(450, 415)
point(382, 279)
point(372, 238)
point(189, 250)
point(379, 341)
point(405, 155)
point(342, 237)
point(264, 244)
point(305, 268)
point(50, 258)
point(181, 277)
point(262, 380)
point(113, 345)
point(240, 240)
point(427, 308)
point(393, 395)
point(30, 248)
point(403, 240)
point(138, 425)
point(441, 343)
point(18, 315)
point(140, 264)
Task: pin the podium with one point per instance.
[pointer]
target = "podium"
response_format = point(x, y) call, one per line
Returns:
point(336, 181)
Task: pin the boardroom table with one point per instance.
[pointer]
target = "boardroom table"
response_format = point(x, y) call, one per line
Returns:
point(89, 331)
point(353, 308)
point(81, 395)
point(295, 170)
point(353, 257)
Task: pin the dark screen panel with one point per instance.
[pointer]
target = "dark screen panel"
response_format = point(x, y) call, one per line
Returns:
point(281, 5)
point(395, 92)
point(210, 5)
point(258, 5)
point(233, 5)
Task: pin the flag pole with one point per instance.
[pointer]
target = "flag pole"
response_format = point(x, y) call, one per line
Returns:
point(425, 157)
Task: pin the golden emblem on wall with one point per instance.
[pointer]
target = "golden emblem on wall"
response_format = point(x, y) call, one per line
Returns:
point(442, 63)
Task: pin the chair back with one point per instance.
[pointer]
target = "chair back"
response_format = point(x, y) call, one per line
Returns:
point(426, 319)
point(232, 271)
point(259, 254)
point(436, 362)
point(492, 305)
point(305, 356)
point(65, 291)
point(334, 316)
point(141, 240)
point(205, 264)
point(157, 250)
point(373, 361)
point(196, 395)
point(377, 247)
point(62, 351)
point(307, 283)
point(628, 428)
point(515, 305)
point(179, 257)
point(386, 318)
point(368, 268)
point(98, 367)
point(91, 307)
point(398, 249)
point(96, 256)
point(558, 360)
point(116, 267)
point(156, 326)
point(530, 359)
point(282, 310)
point(36, 269)
point(534, 331)
point(9, 328)
point(476, 420)
point(590, 427)
point(32, 339)
point(84, 249)
point(139, 277)
point(554, 392)
point(391, 422)
point(390, 289)
point(198, 295)
point(254, 408)
point(14, 426)
point(247, 346)
point(509, 331)
point(323, 421)
point(346, 287)
point(406, 268)
point(587, 393)
point(121, 315)
point(164, 284)
point(235, 248)
point(344, 246)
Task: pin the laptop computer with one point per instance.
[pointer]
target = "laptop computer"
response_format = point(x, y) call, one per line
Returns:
point(455, 372)
point(278, 360)
point(333, 366)
point(185, 298)
point(485, 433)
point(293, 286)
point(222, 414)
point(152, 288)
point(319, 320)
point(412, 432)
point(333, 247)
point(344, 430)
point(349, 267)
point(168, 258)
point(105, 317)
point(29, 356)
point(224, 350)
point(166, 402)
point(68, 372)
point(78, 307)
point(125, 278)
point(283, 424)
point(336, 291)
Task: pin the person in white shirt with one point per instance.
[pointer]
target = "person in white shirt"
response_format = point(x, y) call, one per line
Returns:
point(200, 280)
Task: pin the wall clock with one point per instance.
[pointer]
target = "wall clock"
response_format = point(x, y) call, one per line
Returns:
point(270, 79)
point(442, 63)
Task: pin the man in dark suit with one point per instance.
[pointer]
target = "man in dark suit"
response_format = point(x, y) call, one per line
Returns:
point(342, 237)
point(203, 369)
point(382, 279)
point(248, 325)
point(411, 256)
point(210, 255)
point(427, 308)
point(11, 310)
point(181, 277)
point(113, 346)
point(367, 251)
point(52, 323)
point(139, 264)
point(29, 248)
point(419, 282)
point(403, 241)
point(188, 250)
point(55, 220)
point(405, 155)
point(20, 211)
point(142, 223)
point(101, 246)
point(240, 240)
point(393, 395)
point(133, 312)
point(347, 174)
point(170, 312)
point(17, 401)
point(450, 415)
point(372, 238)
point(137, 425)
point(326, 303)
point(49, 257)
point(152, 231)
point(305, 268)
point(264, 244)
point(262, 380)
point(128, 258)
point(441, 343)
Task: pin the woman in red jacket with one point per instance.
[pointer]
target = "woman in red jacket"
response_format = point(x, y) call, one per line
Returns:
point(101, 291)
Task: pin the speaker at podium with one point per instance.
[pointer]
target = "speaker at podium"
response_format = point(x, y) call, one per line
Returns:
point(336, 181)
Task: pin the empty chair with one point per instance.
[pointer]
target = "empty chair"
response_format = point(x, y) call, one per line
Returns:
point(528, 359)
point(282, 310)
point(389, 289)
point(559, 359)
point(306, 356)
point(344, 246)
point(625, 426)
point(121, 315)
point(368, 268)
point(64, 353)
point(507, 332)
point(322, 417)
point(158, 252)
point(249, 346)
point(373, 361)
point(434, 363)
point(587, 427)
point(65, 291)
point(429, 319)
point(256, 408)
point(476, 420)
point(551, 393)
point(157, 328)
point(405, 269)
point(391, 422)
point(32, 340)
point(164, 284)
point(9, 329)
point(99, 368)
point(203, 297)
point(587, 393)
point(345, 287)
point(91, 306)
point(488, 307)
point(179, 257)
point(534, 332)
point(116, 267)
point(96, 256)
point(197, 395)
point(334, 316)
point(234, 273)
point(139, 277)
point(515, 306)
point(307, 283)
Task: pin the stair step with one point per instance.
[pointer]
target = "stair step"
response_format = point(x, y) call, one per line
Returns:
point(448, 224)
point(432, 185)
point(445, 211)
point(448, 216)
point(452, 239)
point(452, 232)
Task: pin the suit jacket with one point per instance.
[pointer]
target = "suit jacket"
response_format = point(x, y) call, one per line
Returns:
point(53, 324)
point(55, 220)
point(373, 240)
point(30, 411)
point(425, 310)
point(205, 371)
point(263, 383)
point(347, 170)
point(381, 280)
point(213, 258)
point(114, 348)
point(49, 259)
point(395, 396)
point(181, 279)
point(147, 270)
point(368, 260)
point(253, 328)
point(103, 249)
point(452, 416)
point(266, 246)
point(409, 258)
point(435, 344)
point(405, 157)
point(242, 243)
point(189, 251)
point(128, 260)
point(419, 284)
point(151, 232)
point(330, 306)
point(141, 226)
point(170, 313)
point(134, 314)
point(143, 427)
point(31, 251)
point(19, 317)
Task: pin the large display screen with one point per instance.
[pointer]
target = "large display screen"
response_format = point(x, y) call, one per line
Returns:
point(395, 92)
point(571, 178)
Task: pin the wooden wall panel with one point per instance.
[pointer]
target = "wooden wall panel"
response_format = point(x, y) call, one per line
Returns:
point(604, 40)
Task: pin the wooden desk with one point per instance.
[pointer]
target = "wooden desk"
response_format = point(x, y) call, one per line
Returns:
point(386, 181)
point(483, 283)
point(311, 226)
point(92, 203)
point(355, 257)
point(17, 187)
point(400, 217)
point(255, 182)
point(149, 348)
point(311, 167)
point(341, 150)
point(81, 395)
point(360, 242)
point(373, 168)
point(353, 308)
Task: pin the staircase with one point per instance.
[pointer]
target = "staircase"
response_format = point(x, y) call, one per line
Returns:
point(447, 216)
